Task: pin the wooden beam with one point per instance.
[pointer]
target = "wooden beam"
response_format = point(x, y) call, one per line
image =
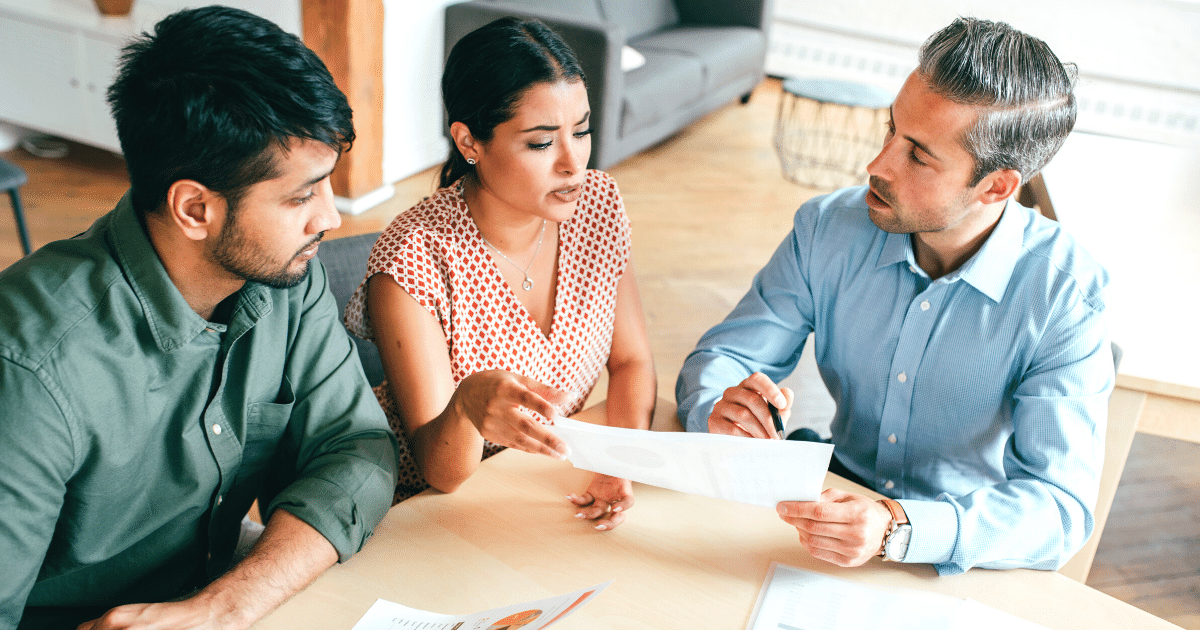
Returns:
point(348, 36)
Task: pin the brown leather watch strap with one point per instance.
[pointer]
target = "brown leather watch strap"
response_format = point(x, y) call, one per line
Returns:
point(896, 509)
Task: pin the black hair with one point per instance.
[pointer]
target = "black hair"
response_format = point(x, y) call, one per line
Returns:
point(211, 94)
point(490, 69)
point(1023, 93)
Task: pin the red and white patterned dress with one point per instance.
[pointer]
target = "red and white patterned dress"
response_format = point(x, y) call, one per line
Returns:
point(436, 254)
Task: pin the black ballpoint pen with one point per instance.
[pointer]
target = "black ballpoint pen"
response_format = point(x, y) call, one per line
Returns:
point(777, 419)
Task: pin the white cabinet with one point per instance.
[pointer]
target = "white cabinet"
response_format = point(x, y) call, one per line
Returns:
point(57, 59)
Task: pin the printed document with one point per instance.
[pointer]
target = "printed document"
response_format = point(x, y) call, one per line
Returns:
point(385, 615)
point(795, 599)
point(746, 470)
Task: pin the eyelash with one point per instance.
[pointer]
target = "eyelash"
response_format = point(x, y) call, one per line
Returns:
point(546, 145)
point(300, 201)
point(912, 153)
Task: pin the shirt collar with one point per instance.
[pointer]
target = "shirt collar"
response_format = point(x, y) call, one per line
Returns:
point(172, 321)
point(990, 269)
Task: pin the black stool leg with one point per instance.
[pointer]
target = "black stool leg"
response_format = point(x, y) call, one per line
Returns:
point(19, 214)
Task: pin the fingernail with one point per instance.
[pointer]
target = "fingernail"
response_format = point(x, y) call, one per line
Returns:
point(579, 515)
point(602, 527)
point(780, 402)
point(617, 509)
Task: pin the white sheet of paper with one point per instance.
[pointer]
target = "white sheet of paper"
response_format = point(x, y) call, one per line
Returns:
point(795, 599)
point(385, 615)
point(759, 472)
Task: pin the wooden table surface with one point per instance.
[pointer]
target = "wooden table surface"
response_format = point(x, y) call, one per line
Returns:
point(679, 561)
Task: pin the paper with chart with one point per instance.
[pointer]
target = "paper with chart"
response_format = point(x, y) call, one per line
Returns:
point(759, 472)
point(795, 599)
point(385, 615)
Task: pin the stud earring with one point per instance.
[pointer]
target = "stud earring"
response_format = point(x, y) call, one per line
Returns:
point(471, 161)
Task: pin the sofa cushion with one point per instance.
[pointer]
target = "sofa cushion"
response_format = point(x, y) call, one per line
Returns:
point(726, 53)
point(639, 17)
point(583, 10)
point(668, 82)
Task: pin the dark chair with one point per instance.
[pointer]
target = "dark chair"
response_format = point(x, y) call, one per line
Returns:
point(11, 179)
point(345, 261)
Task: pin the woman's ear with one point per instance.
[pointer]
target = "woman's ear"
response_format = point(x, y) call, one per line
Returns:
point(465, 142)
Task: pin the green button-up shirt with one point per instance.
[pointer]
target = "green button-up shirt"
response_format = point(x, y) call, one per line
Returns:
point(134, 434)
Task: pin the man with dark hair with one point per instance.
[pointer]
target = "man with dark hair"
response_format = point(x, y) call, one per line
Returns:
point(960, 334)
point(183, 357)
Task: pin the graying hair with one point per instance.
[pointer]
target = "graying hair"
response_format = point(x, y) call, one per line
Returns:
point(1022, 92)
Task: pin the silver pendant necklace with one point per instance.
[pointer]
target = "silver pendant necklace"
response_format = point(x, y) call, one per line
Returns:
point(528, 282)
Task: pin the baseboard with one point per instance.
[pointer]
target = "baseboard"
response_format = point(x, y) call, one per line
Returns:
point(362, 203)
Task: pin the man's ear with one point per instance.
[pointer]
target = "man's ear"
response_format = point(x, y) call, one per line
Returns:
point(999, 186)
point(466, 143)
point(194, 208)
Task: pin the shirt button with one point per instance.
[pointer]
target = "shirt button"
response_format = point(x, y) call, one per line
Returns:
point(891, 440)
point(216, 429)
point(220, 499)
point(925, 305)
point(890, 484)
point(902, 377)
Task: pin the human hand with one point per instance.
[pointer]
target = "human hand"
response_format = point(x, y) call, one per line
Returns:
point(492, 401)
point(195, 613)
point(743, 411)
point(840, 527)
point(605, 501)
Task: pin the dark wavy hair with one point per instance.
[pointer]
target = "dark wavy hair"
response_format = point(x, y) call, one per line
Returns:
point(488, 72)
point(1024, 94)
point(209, 96)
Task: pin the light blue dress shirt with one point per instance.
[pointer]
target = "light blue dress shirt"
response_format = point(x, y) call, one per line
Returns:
point(978, 399)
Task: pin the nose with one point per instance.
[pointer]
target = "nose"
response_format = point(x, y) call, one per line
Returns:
point(326, 216)
point(574, 156)
point(879, 166)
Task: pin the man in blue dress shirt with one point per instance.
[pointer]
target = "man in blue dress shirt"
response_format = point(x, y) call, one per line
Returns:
point(961, 334)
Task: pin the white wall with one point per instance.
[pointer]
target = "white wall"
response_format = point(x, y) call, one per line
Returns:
point(1139, 60)
point(413, 49)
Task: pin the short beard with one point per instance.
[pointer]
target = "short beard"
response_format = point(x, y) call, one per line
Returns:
point(247, 261)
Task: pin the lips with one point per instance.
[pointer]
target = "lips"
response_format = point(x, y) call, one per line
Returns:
point(569, 194)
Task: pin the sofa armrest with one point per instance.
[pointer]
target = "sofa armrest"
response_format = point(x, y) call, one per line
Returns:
point(596, 44)
point(753, 13)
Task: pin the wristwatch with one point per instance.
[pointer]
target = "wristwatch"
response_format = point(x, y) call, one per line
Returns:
point(895, 541)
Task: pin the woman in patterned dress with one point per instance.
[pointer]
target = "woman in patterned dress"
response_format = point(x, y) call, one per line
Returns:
point(497, 302)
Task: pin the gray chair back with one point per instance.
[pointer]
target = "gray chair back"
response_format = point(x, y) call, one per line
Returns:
point(345, 261)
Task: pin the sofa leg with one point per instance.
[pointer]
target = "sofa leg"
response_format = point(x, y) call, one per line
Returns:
point(745, 98)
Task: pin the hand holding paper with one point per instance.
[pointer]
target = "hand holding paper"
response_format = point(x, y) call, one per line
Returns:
point(759, 472)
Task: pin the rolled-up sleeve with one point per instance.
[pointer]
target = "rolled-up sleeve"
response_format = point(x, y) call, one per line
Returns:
point(342, 452)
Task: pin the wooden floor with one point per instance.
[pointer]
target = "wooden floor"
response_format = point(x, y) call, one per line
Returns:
point(708, 208)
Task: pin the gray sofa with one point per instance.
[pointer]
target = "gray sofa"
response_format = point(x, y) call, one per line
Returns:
point(700, 55)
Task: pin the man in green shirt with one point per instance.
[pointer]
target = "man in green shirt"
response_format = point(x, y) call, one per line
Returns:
point(183, 357)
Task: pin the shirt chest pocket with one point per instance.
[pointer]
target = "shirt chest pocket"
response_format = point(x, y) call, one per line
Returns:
point(265, 424)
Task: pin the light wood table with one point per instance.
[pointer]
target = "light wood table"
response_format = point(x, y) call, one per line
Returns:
point(679, 561)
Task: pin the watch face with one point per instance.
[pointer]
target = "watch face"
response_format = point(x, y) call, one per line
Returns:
point(896, 547)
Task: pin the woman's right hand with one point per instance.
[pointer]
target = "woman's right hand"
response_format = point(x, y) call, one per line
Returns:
point(492, 401)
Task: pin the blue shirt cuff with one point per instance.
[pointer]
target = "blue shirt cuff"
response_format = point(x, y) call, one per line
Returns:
point(934, 531)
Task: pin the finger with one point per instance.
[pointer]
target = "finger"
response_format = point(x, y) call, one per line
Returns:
point(786, 412)
point(720, 426)
point(623, 503)
point(748, 394)
point(614, 519)
point(553, 395)
point(541, 434)
point(742, 407)
point(593, 511)
point(765, 387)
point(530, 444)
point(581, 501)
